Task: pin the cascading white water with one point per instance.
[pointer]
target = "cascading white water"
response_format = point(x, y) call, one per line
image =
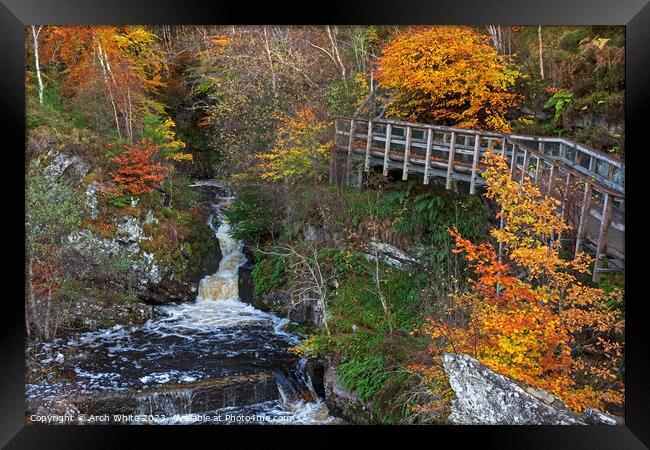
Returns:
point(224, 285)
point(215, 337)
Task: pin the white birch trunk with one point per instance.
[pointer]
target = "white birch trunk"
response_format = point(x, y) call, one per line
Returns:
point(35, 34)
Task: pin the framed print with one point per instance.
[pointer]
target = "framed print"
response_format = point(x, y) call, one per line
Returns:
point(376, 218)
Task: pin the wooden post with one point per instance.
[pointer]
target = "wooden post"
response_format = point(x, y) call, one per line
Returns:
point(427, 161)
point(350, 143)
point(504, 146)
point(366, 166)
point(541, 153)
point(407, 152)
point(359, 177)
point(524, 170)
point(584, 216)
point(602, 235)
point(450, 162)
point(477, 149)
point(565, 195)
point(550, 179)
point(513, 161)
point(387, 148)
point(489, 143)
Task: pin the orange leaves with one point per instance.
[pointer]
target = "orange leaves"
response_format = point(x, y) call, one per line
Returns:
point(136, 173)
point(528, 316)
point(449, 75)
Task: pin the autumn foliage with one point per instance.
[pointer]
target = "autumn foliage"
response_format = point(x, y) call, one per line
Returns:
point(136, 172)
point(449, 75)
point(528, 315)
point(298, 150)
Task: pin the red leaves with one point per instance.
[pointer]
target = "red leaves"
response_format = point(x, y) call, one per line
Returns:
point(136, 172)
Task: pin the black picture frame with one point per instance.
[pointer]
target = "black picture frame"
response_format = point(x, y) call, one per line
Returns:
point(634, 14)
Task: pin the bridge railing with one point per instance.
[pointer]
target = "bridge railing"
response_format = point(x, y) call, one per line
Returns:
point(455, 154)
point(607, 170)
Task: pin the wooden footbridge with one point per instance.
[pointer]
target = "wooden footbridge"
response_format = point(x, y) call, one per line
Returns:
point(589, 184)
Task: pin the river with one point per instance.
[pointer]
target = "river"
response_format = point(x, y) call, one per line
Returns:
point(213, 360)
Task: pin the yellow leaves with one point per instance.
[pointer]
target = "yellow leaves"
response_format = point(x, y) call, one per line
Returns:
point(307, 348)
point(539, 322)
point(298, 151)
point(180, 156)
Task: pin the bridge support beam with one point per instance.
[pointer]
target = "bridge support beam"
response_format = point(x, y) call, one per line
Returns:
point(551, 176)
point(407, 153)
point(366, 166)
point(584, 216)
point(450, 162)
point(348, 167)
point(389, 130)
point(427, 162)
point(602, 236)
point(565, 194)
point(513, 161)
point(477, 149)
point(524, 170)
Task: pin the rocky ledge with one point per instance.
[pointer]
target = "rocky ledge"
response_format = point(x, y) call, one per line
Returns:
point(484, 397)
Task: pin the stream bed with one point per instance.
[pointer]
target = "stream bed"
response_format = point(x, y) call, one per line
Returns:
point(215, 360)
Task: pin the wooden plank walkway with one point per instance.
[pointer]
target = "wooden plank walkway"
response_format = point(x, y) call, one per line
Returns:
point(557, 165)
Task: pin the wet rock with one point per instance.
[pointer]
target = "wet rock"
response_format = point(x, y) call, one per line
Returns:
point(246, 284)
point(485, 397)
point(166, 291)
point(90, 313)
point(184, 398)
point(341, 402)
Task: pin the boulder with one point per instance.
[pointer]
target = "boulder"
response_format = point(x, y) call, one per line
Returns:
point(391, 255)
point(341, 402)
point(488, 398)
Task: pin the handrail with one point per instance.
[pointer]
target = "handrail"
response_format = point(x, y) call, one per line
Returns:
point(567, 164)
point(612, 159)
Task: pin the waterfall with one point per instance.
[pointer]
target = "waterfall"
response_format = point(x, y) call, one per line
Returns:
point(224, 284)
point(214, 357)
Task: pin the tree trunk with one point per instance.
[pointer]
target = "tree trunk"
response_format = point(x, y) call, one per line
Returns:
point(108, 87)
point(335, 51)
point(541, 52)
point(267, 47)
point(35, 34)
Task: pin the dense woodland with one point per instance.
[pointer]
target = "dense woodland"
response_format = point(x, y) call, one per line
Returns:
point(149, 109)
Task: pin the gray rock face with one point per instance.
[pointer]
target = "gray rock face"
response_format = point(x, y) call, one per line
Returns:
point(91, 199)
point(487, 398)
point(62, 164)
point(391, 255)
point(128, 235)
